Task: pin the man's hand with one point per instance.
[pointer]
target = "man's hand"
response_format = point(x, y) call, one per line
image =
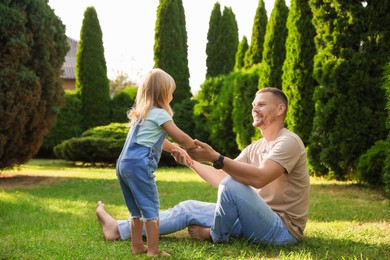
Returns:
point(203, 152)
point(182, 157)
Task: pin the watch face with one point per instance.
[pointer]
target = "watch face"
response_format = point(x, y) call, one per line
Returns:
point(218, 165)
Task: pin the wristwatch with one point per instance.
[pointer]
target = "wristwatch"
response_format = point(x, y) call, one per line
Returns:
point(218, 164)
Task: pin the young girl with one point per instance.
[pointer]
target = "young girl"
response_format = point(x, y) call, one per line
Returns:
point(150, 123)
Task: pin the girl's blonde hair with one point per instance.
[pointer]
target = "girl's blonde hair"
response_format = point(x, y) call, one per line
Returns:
point(155, 90)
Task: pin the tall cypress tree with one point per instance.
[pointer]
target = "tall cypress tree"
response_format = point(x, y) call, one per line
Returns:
point(342, 118)
point(298, 82)
point(240, 55)
point(386, 86)
point(170, 46)
point(170, 54)
point(255, 53)
point(213, 46)
point(32, 50)
point(222, 42)
point(274, 52)
point(92, 84)
point(229, 40)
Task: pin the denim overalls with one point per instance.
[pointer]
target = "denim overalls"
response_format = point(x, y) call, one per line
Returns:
point(135, 171)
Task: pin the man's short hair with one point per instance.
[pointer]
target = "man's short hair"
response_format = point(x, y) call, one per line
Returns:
point(277, 92)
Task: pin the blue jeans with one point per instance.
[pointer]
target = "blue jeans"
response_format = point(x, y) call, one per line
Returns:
point(239, 212)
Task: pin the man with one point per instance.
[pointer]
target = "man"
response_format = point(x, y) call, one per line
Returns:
point(263, 195)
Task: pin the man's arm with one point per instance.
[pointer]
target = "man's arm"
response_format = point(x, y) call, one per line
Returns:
point(256, 177)
point(206, 172)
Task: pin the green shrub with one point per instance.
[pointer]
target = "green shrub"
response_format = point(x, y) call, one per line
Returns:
point(68, 124)
point(102, 144)
point(370, 167)
point(99, 144)
point(121, 103)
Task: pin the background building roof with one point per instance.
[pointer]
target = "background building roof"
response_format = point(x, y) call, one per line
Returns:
point(69, 66)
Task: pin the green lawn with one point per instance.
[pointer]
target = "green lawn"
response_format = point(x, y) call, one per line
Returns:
point(54, 218)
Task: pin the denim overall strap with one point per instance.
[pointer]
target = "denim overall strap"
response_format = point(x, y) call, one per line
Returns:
point(130, 137)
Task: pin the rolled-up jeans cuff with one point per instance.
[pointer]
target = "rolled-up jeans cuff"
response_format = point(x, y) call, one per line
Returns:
point(124, 229)
point(218, 239)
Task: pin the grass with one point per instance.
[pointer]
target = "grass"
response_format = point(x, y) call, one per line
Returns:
point(55, 218)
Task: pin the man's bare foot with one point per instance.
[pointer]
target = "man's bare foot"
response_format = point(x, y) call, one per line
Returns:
point(158, 254)
point(108, 223)
point(199, 232)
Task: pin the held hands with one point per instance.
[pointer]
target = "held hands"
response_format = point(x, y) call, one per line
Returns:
point(203, 152)
point(182, 157)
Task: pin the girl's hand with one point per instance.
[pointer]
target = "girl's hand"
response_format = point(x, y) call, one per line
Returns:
point(182, 157)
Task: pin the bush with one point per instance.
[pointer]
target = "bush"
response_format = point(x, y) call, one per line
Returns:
point(121, 103)
point(102, 144)
point(99, 144)
point(68, 125)
point(370, 167)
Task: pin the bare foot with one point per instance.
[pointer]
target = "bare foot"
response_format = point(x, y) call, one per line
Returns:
point(199, 232)
point(108, 223)
point(158, 254)
point(138, 251)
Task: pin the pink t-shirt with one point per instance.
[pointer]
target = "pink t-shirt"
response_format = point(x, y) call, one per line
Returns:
point(288, 195)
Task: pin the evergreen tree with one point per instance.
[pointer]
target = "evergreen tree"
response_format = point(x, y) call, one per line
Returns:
point(255, 52)
point(386, 170)
point(298, 83)
point(240, 55)
point(220, 122)
point(376, 50)
point(222, 42)
point(92, 84)
point(229, 43)
point(345, 123)
point(213, 46)
point(274, 47)
point(170, 46)
point(245, 87)
point(32, 50)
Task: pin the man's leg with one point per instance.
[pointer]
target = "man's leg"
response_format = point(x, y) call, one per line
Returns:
point(186, 213)
point(258, 222)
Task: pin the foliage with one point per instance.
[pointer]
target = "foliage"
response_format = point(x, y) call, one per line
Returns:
point(32, 50)
point(254, 54)
point(170, 46)
point(98, 144)
point(205, 102)
point(240, 55)
point(345, 113)
point(274, 52)
point(91, 73)
point(297, 81)
point(222, 41)
point(371, 164)
point(120, 83)
point(213, 46)
point(183, 116)
point(68, 124)
point(386, 170)
point(170, 54)
point(346, 221)
point(220, 122)
point(121, 103)
point(245, 88)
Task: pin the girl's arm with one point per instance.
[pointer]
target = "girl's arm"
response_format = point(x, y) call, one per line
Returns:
point(178, 135)
point(174, 149)
point(169, 146)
